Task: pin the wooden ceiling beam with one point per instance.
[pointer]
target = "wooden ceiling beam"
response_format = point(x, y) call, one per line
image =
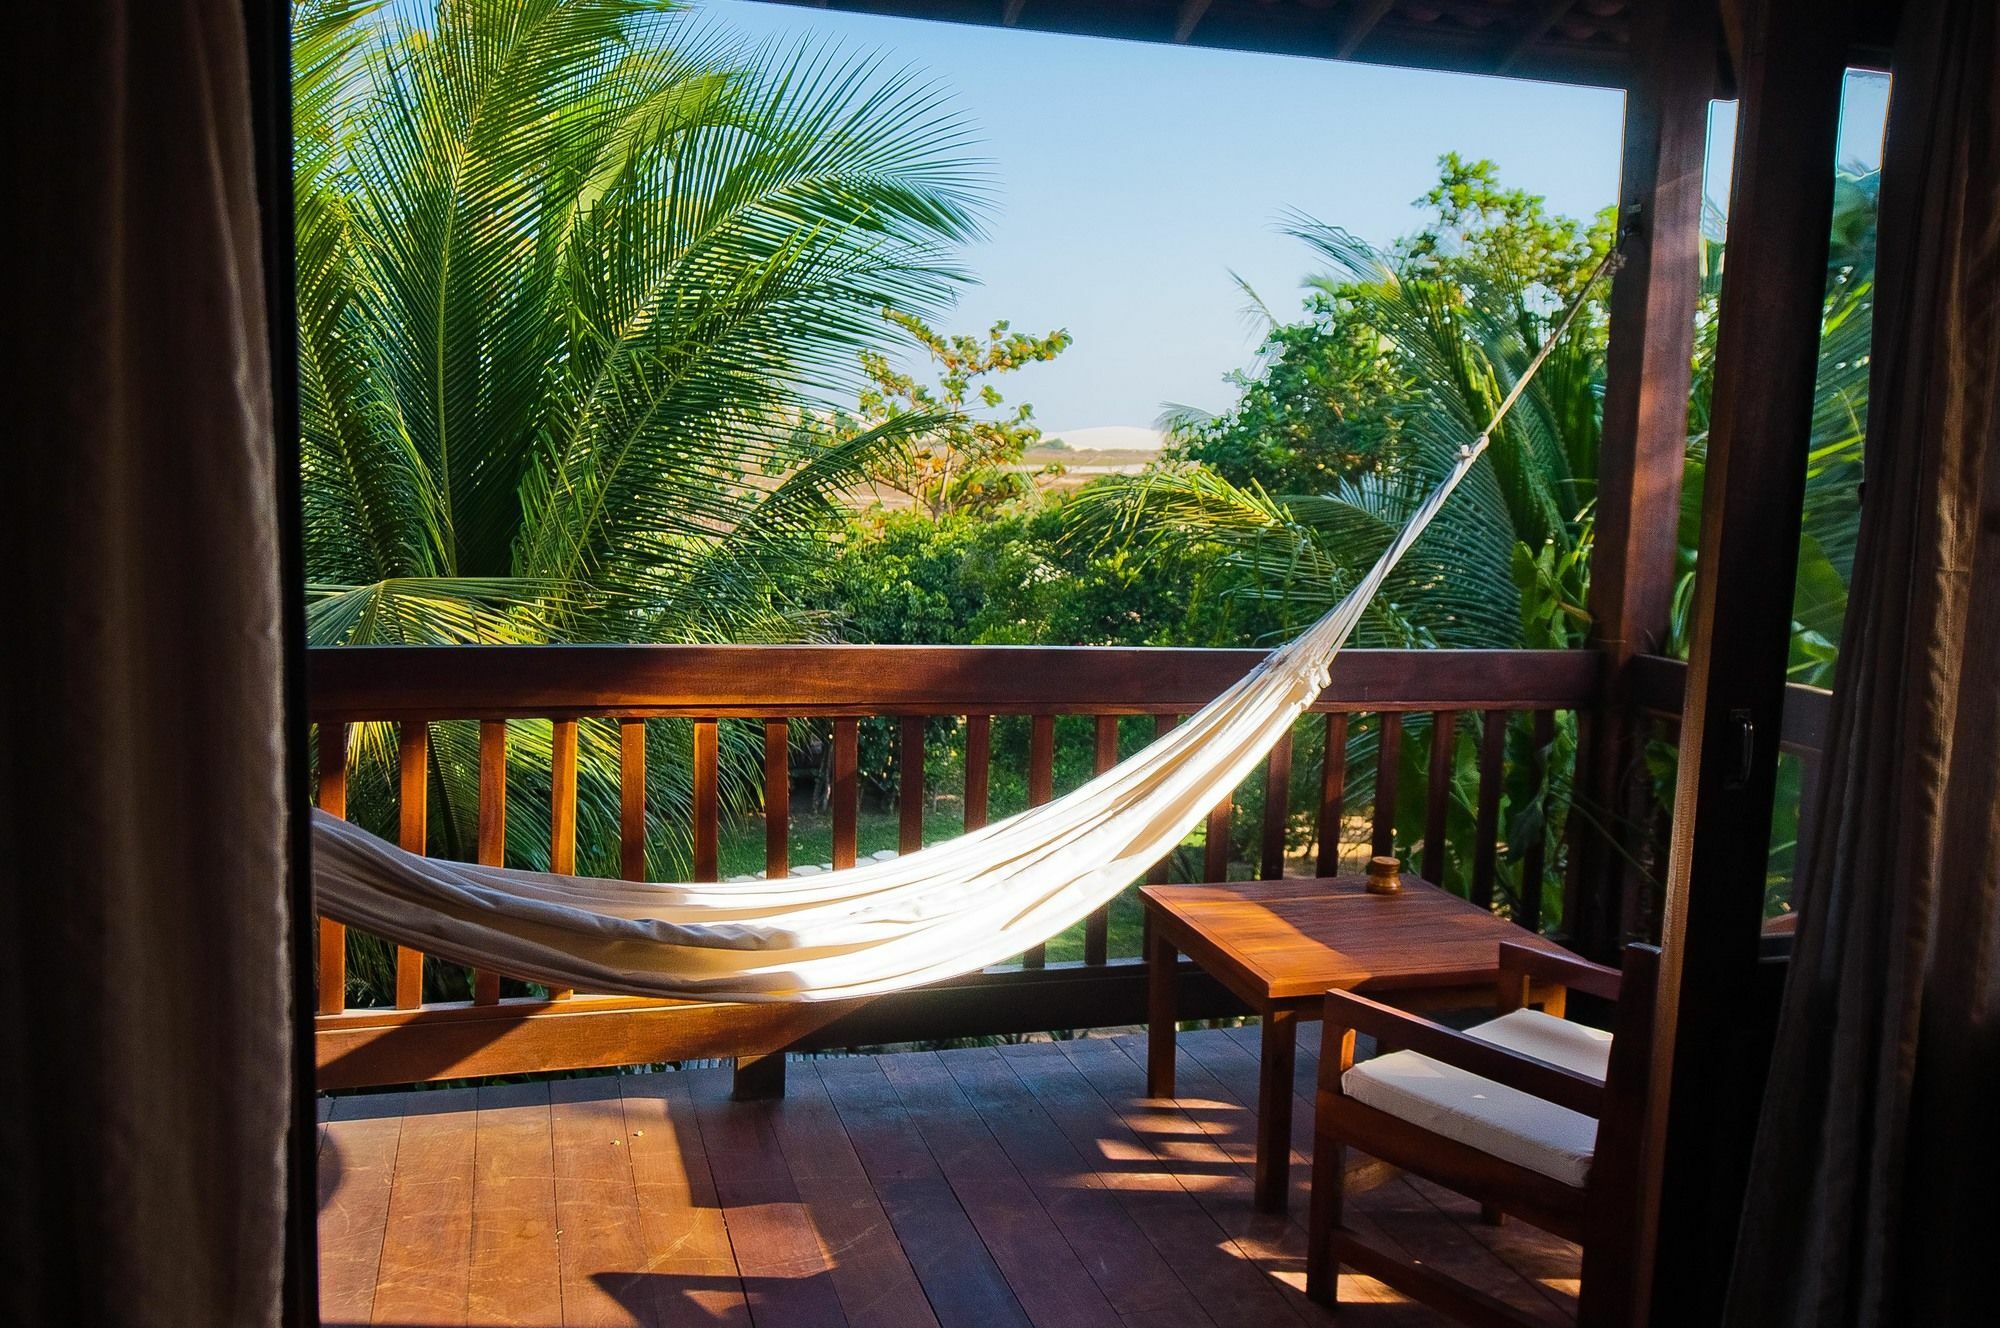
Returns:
point(1366, 15)
point(1192, 12)
point(1536, 28)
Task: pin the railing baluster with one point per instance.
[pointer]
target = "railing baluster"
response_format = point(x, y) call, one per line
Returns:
point(1104, 748)
point(413, 770)
point(910, 784)
point(1492, 774)
point(332, 801)
point(1444, 729)
point(1215, 852)
point(1041, 759)
point(978, 768)
point(1529, 910)
point(1388, 765)
point(1332, 795)
point(845, 792)
point(492, 829)
point(1041, 788)
point(1097, 927)
point(562, 810)
point(1277, 808)
point(777, 799)
point(707, 807)
point(632, 799)
point(1160, 872)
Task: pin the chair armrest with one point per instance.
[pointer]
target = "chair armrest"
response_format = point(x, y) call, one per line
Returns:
point(1397, 1030)
point(1522, 965)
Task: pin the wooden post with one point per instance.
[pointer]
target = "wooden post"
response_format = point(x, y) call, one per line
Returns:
point(413, 765)
point(492, 850)
point(332, 982)
point(1647, 379)
point(1708, 1064)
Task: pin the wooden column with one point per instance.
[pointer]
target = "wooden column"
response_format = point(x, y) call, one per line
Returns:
point(1647, 378)
point(1711, 1052)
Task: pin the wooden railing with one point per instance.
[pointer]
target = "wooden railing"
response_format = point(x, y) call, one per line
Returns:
point(416, 688)
point(1659, 685)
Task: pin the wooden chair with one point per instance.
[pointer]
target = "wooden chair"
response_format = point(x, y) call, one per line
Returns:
point(1527, 1113)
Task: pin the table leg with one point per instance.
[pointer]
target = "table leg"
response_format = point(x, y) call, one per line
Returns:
point(1162, 1005)
point(1274, 1109)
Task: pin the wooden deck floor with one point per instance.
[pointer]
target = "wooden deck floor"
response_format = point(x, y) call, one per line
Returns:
point(1016, 1185)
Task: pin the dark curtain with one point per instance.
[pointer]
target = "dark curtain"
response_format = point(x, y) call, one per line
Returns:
point(144, 1050)
point(1874, 1186)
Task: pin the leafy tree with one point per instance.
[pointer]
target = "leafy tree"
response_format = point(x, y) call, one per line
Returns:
point(569, 273)
point(1318, 407)
point(1505, 564)
point(1500, 243)
point(1019, 576)
point(958, 456)
point(1353, 415)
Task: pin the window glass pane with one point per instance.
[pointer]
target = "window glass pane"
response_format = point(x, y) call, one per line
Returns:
point(1840, 411)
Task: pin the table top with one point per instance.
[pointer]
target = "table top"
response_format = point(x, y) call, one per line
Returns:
point(1293, 939)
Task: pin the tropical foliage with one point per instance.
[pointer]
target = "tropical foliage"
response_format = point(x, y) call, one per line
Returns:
point(571, 276)
point(1402, 358)
point(964, 454)
point(605, 321)
point(1840, 408)
point(1258, 519)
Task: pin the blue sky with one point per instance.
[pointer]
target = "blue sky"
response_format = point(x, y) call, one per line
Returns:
point(1132, 179)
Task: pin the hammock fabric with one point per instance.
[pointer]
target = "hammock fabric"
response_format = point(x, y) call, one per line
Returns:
point(949, 909)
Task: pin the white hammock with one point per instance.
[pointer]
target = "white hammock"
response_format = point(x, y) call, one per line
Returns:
point(952, 908)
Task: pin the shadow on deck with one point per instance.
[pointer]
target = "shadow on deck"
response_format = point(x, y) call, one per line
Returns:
point(1021, 1185)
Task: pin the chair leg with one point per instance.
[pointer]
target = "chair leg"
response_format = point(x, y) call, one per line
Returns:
point(1329, 1185)
point(1492, 1216)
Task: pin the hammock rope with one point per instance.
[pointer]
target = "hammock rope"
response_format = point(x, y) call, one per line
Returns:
point(947, 909)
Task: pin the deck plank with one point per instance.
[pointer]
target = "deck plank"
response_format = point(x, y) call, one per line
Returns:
point(514, 1277)
point(787, 1272)
point(1053, 1286)
point(1029, 1184)
point(871, 1273)
point(688, 1259)
point(1235, 1069)
point(1229, 1126)
point(1126, 1266)
point(357, 1165)
point(1173, 1205)
point(601, 1253)
point(959, 1274)
point(427, 1241)
point(1208, 1132)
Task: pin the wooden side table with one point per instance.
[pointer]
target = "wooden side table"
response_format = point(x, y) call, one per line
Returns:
point(1281, 945)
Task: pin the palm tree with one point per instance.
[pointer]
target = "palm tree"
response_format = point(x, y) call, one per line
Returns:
point(571, 274)
point(1506, 562)
point(1832, 516)
point(1462, 585)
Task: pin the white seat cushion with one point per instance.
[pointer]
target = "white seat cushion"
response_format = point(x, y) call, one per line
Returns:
point(1490, 1117)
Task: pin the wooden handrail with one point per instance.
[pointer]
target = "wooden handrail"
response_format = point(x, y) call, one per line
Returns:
point(1659, 684)
point(362, 683)
point(412, 688)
